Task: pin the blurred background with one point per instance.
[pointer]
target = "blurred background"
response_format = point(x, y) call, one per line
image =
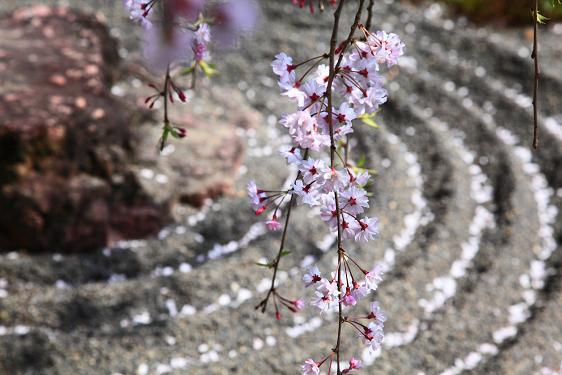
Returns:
point(115, 259)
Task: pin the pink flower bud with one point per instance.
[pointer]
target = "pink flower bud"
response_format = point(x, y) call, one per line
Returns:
point(181, 132)
point(299, 304)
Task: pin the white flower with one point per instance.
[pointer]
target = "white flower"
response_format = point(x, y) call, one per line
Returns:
point(306, 194)
point(282, 65)
point(304, 129)
point(313, 92)
point(350, 227)
point(368, 229)
point(362, 178)
point(329, 288)
point(311, 276)
point(292, 154)
point(387, 47)
point(345, 113)
point(374, 277)
point(310, 367)
point(311, 169)
point(203, 33)
point(334, 179)
point(322, 75)
point(256, 196)
point(136, 12)
point(374, 336)
point(296, 94)
point(328, 211)
point(360, 292)
point(354, 200)
point(377, 314)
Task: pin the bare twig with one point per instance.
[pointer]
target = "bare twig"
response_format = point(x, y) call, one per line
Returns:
point(535, 57)
point(263, 303)
point(165, 94)
point(369, 14)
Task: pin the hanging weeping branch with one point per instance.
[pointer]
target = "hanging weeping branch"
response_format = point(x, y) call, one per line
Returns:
point(535, 57)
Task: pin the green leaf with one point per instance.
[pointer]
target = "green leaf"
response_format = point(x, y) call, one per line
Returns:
point(285, 253)
point(360, 170)
point(164, 137)
point(540, 18)
point(187, 71)
point(361, 162)
point(209, 69)
point(369, 119)
point(266, 265)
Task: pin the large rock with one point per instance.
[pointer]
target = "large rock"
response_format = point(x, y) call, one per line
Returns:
point(74, 175)
point(64, 139)
point(205, 163)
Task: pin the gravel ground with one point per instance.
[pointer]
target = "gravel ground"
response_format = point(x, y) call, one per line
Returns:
point(456, 184)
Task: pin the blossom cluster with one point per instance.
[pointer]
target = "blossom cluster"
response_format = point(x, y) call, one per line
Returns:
point(328, 296)
point(327, 102)
point(360, 87)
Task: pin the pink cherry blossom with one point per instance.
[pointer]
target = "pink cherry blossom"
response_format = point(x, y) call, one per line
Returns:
point(376, 313)
point(373, 336)
point(299, 304)
point(312, 276)
point(354, 200)
point(273, 224)
point(373, 278)
point(292, 154)
point(348, 299)
point(368, 229)
point(307, 195)
point(256, 196)
point(354, 364)
point(310, 367)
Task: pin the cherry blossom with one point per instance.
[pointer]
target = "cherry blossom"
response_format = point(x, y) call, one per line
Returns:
point(376, 313)
point(306, 194)
point(256, 196)
point(349, 299)
point(273, 224)
point(312, 276)
point(310, 367)
point(283, 66)
point(374, 336)
point(373, 277)
point(368, 229)
point(354, 200)
point(354, 364)
point(328, 101)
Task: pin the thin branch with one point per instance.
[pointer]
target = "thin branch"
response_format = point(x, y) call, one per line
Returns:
point(535, 57)
point(263, 303)
point(166, 84)
point(370, 8)
point(165, 92)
